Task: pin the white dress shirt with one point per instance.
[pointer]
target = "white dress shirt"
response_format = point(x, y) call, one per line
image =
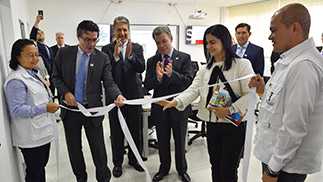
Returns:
point(290, 128)
point(123, 49)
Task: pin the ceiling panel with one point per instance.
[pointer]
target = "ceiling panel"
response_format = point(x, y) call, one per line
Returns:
point(194, 2)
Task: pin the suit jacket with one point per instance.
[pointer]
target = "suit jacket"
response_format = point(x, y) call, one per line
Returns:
point(99, 70)
point(55, 48)
point(127, 72)
point(255, 55)
point(47, 56)
point(181, 78)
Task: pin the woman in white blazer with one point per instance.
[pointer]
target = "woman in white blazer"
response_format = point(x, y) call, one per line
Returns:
point(225, 138)
point(30, 104)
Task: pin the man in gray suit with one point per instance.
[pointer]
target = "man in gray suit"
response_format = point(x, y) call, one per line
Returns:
point(78, 74)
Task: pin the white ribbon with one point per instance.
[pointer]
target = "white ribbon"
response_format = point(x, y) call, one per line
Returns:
point(101, 111)
point(132, 144)
point(250, 117)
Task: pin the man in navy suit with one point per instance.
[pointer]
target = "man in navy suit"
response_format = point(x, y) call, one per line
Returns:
point(246, 49)
point(169, 71)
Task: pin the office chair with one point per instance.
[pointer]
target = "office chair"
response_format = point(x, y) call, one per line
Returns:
point(198, 133)
point(192, 116)
point(195, 69)
point(152, 142)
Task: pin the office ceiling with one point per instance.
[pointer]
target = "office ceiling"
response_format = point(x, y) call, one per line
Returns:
point(217, 3)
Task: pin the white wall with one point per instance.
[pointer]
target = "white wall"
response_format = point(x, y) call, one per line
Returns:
point(8, 161)
point(258, 15)
point(10, 12)
point(59, 16)
point(19, 11)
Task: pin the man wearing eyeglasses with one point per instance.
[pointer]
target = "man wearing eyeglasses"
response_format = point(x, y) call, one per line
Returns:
point(77, 74)
point(128, 63)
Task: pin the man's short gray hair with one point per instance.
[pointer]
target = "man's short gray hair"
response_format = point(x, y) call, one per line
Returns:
point(121, 19)
point(59, 33)
point(162, 29)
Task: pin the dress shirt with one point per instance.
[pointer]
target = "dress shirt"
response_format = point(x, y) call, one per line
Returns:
point(163, 59)
point(241, 49)
point(170, 55)
point(16, 93)
point(60, 46)
point(123, 52)
point(289, 131)
point(79, 54)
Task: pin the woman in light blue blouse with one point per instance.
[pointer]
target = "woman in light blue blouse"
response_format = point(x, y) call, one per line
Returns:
point(31, 109)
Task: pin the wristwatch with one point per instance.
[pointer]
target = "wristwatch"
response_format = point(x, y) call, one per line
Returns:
point(270, 172)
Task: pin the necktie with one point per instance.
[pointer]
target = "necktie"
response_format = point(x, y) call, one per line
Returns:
point(166, 59)
point(240, 51)
point(80, 79)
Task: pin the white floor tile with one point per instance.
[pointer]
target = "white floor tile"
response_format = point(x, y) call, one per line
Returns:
point(197, 158)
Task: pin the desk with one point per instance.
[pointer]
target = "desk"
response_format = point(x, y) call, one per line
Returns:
point(145, 114)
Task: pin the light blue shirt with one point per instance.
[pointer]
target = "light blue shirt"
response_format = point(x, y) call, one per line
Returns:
point(241, 50)
point(16, 94)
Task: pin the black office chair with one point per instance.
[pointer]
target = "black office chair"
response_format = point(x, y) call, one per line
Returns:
point(198, 133)
point(193, 118)
point(153, 143)
point(195, 69)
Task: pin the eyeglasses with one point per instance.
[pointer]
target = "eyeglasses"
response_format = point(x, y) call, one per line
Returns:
point(30, 55)
point(88, 40)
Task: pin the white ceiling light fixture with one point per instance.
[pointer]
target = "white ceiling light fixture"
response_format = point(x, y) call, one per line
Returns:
point(197, 14)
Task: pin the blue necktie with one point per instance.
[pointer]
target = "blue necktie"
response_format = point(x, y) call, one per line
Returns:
point(240, 51)
point(80, 79)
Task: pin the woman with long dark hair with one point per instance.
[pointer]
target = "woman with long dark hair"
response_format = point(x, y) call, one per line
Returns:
point(223, 105)
point(30, 104)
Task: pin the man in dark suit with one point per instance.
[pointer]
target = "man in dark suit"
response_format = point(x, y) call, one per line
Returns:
point(60, 42)
point(44, 51)
point(77, 73)
point(248, 50)
point(168, 72)
point(128, 63)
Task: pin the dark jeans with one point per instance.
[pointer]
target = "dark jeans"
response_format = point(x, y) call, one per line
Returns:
point(289, 177)
point(36, 159)
point(225, 143)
